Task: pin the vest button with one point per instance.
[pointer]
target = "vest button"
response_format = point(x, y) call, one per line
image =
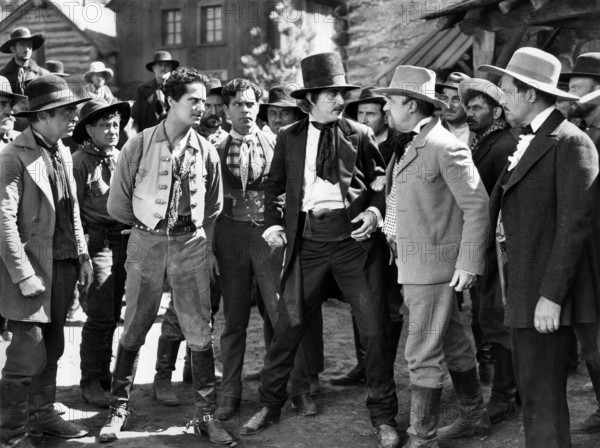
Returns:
point(162, 187)
point(166, 159)
point(164, 173)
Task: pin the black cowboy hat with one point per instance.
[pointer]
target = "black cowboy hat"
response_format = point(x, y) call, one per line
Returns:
point(93, 110)
point(22, 33)
point(56, 68)
point(367, 95)
point(452, 82)
point(322, 71)
point(587, 66)
point(49, 92)
point(278, 96)
point(162, 56)
point(214, 87)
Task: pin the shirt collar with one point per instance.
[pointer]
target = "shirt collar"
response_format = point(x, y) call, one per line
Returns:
point(539, 119)
point(421, 124)
point(161, 136)
point(249, 136)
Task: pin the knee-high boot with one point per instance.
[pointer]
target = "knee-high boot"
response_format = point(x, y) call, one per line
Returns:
point(166, 358)
point(14, 422)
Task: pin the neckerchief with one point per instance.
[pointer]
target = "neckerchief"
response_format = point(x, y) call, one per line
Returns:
point(251, 160)
point(497, 125)
point(327, 152)
point(105, 156)
point(181, 169)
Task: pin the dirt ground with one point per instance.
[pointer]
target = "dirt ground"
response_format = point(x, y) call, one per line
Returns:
point(342, 420)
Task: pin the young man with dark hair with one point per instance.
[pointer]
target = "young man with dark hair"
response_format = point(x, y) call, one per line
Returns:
point(325, 165)
point(93, 167)
point(168, 187)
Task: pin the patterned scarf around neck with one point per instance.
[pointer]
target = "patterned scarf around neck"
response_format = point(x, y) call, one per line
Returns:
point(497, 125)
point(251, 162)
point(181, 168)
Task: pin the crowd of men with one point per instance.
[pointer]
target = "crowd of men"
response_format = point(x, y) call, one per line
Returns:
point(394, 202)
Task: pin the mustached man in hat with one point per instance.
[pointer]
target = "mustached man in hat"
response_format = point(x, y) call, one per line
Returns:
point(454, 117)
point(280, 110)
point(21, 68)
point(96, 78)
point(167, 185)
point(493, 143)
point(44, 255)
point(93, 167)
point(214, 116)
point(150, 104)
point(325, 164)
point(368, 110)
point(436, 222)
point(543, 212)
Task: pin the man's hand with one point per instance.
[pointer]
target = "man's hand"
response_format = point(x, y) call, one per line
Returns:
point(86, 276)
point(462, 280)
point(378, 184)
point(32, 286)
point(368, 226)
point(276, 238)
point(213, 267)
point(547, 316)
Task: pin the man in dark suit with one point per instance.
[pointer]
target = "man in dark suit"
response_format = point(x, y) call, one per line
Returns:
point(21, 68)
point(542, 212)
point(325, 165)
point(149, 107)
point(493, 143)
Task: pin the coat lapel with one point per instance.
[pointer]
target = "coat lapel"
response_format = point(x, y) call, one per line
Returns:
point(347, 144)
point(297, 155)
point(420, 140)
point(35, 163)
point(544, 139)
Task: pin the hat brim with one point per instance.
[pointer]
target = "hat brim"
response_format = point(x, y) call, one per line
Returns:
point(592, 98)
point(37, 40)
point(215, 91)
point(567, 76)
point(352, 107)
point(411, 94)
point(551, 90)
point(87, 75)
point(264, 108)
point(15, 96)
point(124, 109)
point(175, 63)
point(51, 106)
point(301, 93)
point(440, 86)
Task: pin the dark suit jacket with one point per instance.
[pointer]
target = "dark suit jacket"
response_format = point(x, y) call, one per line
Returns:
point(359, 164)
point(491, 156)
point(143, 112)
point(11, 70)
point(548, 204)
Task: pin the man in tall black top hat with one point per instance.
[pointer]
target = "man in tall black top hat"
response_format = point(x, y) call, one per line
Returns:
point(325, 165)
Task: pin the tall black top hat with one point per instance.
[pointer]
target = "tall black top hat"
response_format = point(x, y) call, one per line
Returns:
point(322, 71)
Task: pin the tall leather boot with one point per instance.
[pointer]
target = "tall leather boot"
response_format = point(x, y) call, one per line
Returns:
point(483, 355)
point(502, 404)
point(43, 418)
point(187, 366)
point(424, 415)
point(122, 384)
point(591, 425)
point(166, 357)
point(13, 409)
point(473, 420)
point(357, 375)
point(205, 398)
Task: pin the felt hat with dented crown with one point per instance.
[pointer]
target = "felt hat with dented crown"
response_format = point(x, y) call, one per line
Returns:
point(414, 82)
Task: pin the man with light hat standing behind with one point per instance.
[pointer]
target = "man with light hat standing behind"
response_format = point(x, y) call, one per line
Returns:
point(437, 221)
point(542, 210)
point(97, 77)
point(330, 210)
point(43, 255)
point(21, 68)
point(454, 117)
point(93, 167)
point(493, 143)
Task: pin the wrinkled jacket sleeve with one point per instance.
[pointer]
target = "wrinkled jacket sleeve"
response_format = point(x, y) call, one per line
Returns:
point(119, 203)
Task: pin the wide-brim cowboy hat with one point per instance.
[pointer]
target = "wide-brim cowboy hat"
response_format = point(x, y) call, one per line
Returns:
point(56, 68)
point(414, 82)
point(278, 97)
point(586, 66)
point(481, 86)
point(95, 109)
point(322, 71)
point(6, 89)
point(367, 95)
point(536, 68)
point(214, 86)
point(452, 82)
point(22, 33)
point(162, 56)
point(592, 98)
point(49, 92)
point(98, 67)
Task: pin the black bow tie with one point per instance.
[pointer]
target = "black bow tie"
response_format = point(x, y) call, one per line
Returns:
point(527, 130)
point(402, 141)
point(326, 152)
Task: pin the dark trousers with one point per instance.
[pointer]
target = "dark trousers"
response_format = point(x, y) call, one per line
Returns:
point(587, 335)
point(540, 365)
point(488, 294)
point(108, 250)
point(33, 354)
point(345, 260)
point(243, 255)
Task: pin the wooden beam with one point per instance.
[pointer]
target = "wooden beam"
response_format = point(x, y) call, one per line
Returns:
point(463, 7)
point(506, 6)
point(483, 48)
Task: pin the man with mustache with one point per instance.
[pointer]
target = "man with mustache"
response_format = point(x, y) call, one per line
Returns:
point(454, 117)
point(7, 121)
point(214, 116)
point(93, 166)
point(43, 255)
point(167, 185)
point(325, 165)
point(280, 110)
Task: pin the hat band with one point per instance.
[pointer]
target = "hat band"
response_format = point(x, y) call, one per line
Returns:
point(64, 96)
point(325, 81)
point(533, 75)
